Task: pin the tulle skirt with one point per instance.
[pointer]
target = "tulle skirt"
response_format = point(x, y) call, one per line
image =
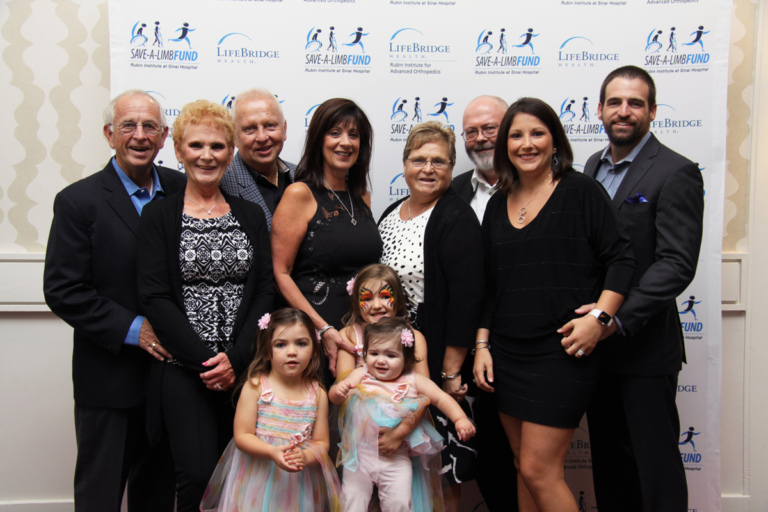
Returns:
point(242, 483)
point(360, 417)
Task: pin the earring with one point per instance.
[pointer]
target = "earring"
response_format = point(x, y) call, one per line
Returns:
point(555, 161)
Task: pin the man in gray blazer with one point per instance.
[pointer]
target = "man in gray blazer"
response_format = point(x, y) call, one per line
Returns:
point(633, 421)
point(90, 282)
point(257, 173)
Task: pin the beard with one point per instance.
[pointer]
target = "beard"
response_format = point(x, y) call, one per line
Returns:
point(480, 156)
point(633, 137)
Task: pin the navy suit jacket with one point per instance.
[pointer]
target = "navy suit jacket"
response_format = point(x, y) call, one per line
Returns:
point(661, 205)
point(90, 282)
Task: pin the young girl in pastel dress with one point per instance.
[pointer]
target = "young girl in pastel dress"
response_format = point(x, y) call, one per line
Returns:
point(376, 293)
point(385, 392)
point(278, 459)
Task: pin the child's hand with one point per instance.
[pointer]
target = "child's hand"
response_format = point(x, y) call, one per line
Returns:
point(389, 441)
point(280, 456)
point(465, 429)
point(295, 457)
point(342, 389)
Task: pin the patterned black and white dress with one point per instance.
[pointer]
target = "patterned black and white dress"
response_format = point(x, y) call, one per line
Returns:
point(215, 257)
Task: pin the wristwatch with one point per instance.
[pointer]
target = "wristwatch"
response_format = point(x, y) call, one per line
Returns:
point(602, 317)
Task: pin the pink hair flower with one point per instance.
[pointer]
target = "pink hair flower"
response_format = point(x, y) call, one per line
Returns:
point(351, 286)
point(406, 337)
point(264, 321)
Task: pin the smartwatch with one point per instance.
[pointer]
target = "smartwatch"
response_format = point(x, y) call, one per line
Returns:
point(602, 317)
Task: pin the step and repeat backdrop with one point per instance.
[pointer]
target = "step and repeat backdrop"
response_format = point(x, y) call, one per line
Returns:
point(408, 61)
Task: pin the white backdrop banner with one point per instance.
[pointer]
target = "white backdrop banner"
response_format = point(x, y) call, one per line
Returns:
point(407, 61)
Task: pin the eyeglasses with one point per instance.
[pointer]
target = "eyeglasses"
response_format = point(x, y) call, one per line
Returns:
point(437, 163)
point(488, 131)
point(129, 127)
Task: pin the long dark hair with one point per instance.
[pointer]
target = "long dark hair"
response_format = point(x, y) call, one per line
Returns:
point(332, 113)
point(540, 110)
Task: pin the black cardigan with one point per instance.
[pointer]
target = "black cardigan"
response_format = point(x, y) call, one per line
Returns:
point(454, 280)
point(160, 285)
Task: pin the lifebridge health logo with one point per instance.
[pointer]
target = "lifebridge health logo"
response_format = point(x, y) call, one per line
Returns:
point(581, 52)
point(693, 327)
point(239, 48)
point(407, 111)
point(496, 55)
point(693, 459)
point(411, 52)
point(671, 121)
point(328, 49)
point(666, 51)
point(578, 114)
point(150, 47)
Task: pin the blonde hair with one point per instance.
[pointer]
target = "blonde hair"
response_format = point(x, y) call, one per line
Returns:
point(203, 112)
point(431, 131)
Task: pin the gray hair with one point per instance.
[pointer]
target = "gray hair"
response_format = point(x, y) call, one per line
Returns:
point(255, 93)
point(109, 110)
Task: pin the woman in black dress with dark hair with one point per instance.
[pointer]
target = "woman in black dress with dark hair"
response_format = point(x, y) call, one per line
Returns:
point(552, 243)
point(323, 231)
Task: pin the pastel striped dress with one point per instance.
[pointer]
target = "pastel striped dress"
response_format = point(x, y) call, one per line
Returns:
point(243, 483)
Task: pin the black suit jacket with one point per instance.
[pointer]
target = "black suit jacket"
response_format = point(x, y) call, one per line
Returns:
point(90, 282)
point(666, 231)
point(462, 185)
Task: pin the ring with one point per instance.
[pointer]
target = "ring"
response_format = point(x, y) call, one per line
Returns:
point(154, 344)
point(579, 353)
point(218, 385)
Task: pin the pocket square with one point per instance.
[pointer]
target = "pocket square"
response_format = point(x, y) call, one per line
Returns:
point(636, 199)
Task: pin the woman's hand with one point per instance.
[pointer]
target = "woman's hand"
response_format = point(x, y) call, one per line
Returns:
point(332, 340)
point(582, 334)
point(390, 440)
point(221, 377)
point(455, 388)
point(483, 370)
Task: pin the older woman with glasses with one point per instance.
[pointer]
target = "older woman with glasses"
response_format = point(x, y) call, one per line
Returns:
point(433, 240)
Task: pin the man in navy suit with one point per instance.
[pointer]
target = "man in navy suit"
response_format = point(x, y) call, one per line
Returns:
point(633, 421)
point(90, 282)
point(257, 173)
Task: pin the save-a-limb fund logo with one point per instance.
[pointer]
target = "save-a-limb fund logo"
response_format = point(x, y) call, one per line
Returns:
point(328, 49)
point(501, 52)
point(670, 120)
point(175, 52)
point(693, 327)
point(677, 51)
point(693, 458)
point(412, 52)
point(581, 52)
point(240, 48)
point(407, 111)
point(579, 117)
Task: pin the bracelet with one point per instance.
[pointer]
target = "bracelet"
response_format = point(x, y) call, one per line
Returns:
point(486, 346)
point(445, 376)
point(483, 341)
point(325, 329)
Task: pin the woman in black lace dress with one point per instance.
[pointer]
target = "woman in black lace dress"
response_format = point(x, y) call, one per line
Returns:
point(323, 231)
point(205, 278)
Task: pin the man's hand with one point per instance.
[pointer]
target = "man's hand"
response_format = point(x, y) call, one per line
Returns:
point(149, 342)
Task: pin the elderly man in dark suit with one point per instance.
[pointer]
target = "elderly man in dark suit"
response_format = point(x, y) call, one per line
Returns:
point(90, 282)
point(633, 420)
point(480, 124)
point(257, 173)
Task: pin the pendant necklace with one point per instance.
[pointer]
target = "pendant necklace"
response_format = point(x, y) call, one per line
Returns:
point(524, 209)
point(351, 205)
point(203, 207)
point(409, 210)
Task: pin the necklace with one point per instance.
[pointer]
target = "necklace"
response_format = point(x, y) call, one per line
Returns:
point(409, 210)
point(351, 205)
point(203, 207)
point(524, 209)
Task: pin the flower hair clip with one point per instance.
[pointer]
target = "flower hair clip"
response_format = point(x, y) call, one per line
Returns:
point(351, 286)
point(264, 321)
point(406, 337)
